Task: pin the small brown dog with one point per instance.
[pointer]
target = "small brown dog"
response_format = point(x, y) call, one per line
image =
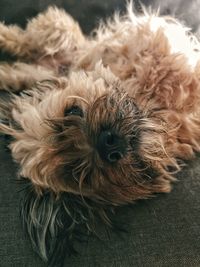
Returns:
point(96, 122)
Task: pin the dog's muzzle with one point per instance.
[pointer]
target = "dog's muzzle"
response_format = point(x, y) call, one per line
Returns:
point(111, 147)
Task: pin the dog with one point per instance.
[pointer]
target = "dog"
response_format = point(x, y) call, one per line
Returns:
point(96, 121)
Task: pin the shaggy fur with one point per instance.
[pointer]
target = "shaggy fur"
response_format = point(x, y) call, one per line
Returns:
point(137, 79)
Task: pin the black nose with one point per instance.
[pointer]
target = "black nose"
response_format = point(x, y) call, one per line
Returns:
point(111, 147)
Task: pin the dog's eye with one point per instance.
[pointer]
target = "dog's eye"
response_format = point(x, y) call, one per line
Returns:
point(74, 110)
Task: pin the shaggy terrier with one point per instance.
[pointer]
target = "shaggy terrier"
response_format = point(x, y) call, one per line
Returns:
point(96, 122)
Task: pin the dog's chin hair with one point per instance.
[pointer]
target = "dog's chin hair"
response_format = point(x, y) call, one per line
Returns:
point(45, 218)
point(55, 223)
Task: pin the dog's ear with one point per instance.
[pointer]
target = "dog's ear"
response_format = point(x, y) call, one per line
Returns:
point(52, 222)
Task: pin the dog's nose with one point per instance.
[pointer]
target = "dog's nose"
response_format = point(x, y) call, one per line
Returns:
point(111, 147)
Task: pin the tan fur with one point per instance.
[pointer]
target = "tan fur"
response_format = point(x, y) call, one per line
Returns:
point(147, 61)
point(21, 76)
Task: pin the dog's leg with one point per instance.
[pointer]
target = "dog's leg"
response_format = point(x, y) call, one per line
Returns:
point(21, 76)
point(52, 34)
point(12, 39)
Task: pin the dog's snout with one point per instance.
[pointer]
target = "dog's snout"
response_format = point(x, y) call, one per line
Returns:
point(111, 147)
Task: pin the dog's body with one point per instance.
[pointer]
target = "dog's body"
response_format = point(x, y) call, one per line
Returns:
point(103, 121)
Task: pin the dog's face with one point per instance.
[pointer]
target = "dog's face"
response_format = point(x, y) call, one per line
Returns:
point(86, 135)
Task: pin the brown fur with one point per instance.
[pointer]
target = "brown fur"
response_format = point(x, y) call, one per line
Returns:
point(139, 76)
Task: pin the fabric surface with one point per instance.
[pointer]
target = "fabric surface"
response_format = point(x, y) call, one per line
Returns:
point(163, 231)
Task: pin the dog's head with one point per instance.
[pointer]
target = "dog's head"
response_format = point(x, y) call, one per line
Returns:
point(87, 136)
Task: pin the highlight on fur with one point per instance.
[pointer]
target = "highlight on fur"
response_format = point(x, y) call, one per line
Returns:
point(54, 225)
point(104, 120)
